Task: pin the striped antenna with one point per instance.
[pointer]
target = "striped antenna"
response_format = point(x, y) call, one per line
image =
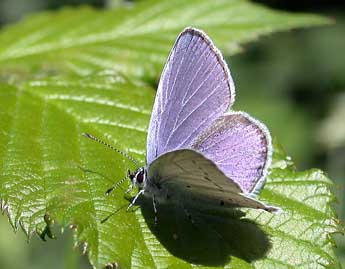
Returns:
point(115, 185)
point(113, 148)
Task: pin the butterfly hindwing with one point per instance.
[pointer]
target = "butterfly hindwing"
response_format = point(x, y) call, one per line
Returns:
point(186, 176)
point(195, 89)
point(240, 146)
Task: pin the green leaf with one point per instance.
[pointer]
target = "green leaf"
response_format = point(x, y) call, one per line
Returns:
point(134, 40)
point(51, 173)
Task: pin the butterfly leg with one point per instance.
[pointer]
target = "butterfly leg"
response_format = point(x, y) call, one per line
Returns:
point(135, 199)
point(155, 209)
point(129, 188)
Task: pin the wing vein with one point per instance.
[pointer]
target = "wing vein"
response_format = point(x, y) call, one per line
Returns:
point(188, 88)
point(220, 141)
point(196, 129)
point(197, 107)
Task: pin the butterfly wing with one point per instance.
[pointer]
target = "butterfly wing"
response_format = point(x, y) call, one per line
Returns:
point(240, 146)
point(195, 89)
point(187, 176)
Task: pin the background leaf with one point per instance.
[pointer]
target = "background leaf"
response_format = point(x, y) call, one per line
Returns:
point(135, 40)
point(50, 173)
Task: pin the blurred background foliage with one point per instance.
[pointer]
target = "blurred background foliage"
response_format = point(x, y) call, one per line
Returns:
point(294, 80)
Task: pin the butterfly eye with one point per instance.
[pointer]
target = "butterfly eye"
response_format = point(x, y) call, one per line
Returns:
point(140, 177)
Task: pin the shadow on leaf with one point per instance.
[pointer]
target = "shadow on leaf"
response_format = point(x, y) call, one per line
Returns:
point(206, 237)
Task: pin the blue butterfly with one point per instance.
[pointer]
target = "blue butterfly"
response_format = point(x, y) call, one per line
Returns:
point(199, 151)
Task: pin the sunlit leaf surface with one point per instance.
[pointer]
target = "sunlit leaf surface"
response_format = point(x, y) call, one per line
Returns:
point(133, 40)
point(51, 172)
point(59, 74)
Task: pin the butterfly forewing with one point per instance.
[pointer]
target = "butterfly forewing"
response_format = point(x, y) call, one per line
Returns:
point(195, 89)
point(186, 176)
point(240, 146)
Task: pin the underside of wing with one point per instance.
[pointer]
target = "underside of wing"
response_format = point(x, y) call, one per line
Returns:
point(188, 176)
point(240, 146)
point(195, 89)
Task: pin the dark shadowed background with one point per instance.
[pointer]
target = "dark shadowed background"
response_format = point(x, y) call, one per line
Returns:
point(293, 81)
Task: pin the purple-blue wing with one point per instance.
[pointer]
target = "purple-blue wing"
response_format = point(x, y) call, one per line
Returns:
point(194, 90)
point(240, 146)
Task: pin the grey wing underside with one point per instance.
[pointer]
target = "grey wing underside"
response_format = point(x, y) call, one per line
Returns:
point(188, 175)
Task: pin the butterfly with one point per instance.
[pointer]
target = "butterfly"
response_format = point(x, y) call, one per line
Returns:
point(197, 150)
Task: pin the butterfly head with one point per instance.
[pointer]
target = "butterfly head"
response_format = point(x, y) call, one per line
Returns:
point(138, 177)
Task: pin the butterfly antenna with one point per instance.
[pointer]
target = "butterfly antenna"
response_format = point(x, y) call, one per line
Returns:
point(113, 148)
point(115, 185)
